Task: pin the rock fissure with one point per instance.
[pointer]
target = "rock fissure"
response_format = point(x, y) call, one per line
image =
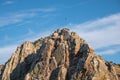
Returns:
point(64, 55)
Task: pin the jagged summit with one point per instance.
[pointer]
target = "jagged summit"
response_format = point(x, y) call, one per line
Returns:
point(61, 56)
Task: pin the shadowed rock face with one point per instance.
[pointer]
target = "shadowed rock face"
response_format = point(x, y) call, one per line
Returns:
point(61, 56)
point(1, 70)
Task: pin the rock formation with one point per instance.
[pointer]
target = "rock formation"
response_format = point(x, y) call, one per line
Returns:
point(61, 56)
point(1, 70)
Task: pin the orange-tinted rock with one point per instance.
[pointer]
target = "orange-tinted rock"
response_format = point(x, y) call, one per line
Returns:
point(62, 56)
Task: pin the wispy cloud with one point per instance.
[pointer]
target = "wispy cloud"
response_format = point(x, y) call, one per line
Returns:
point(112, 49)
point(42, 10)
point(5, 53)
point(33, 36)
point(7, 2)
point(101, 32)
point(14, 18)
point(8, 49)
point(21, 16)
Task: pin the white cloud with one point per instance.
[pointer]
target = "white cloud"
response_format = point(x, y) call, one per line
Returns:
point(21, 16)
point(8, 49)
point(32, 36)
point(14, 18)
point(101, 32)
point(111, 50)
point(107, 52)
point(5, 53)
point(42, 10)
point(7, 2)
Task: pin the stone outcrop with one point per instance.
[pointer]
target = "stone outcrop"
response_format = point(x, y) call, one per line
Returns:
point(1, 70)
point(64, 55)
point(117, 69)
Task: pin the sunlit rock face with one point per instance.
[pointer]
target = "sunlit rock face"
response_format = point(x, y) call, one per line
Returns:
point(63, 55)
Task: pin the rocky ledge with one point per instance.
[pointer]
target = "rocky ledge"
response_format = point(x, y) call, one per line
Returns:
point(61, 56)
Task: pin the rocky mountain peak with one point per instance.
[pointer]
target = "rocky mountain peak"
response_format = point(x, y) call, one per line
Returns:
point(63, 55)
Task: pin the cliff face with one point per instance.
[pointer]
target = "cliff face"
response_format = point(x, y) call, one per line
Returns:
point(61, 56)
point(1, 70)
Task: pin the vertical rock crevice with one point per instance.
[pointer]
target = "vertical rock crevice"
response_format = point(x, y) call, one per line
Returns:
point(64, 55)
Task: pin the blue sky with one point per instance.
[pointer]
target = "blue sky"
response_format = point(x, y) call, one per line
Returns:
point(97, 21)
